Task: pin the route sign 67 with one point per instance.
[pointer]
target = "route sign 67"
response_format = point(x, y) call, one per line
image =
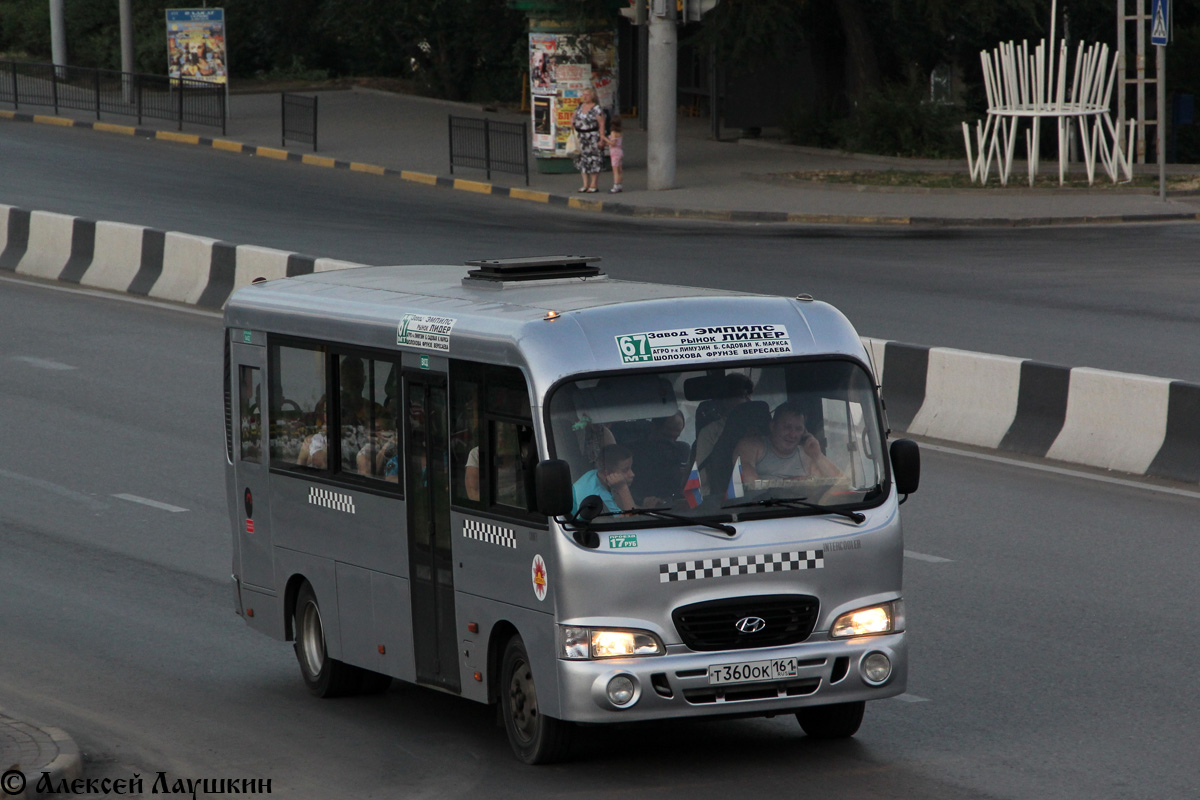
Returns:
point(635, 348)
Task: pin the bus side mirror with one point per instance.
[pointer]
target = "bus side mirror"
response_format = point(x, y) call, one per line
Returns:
point(552, 484)
point(906, 465)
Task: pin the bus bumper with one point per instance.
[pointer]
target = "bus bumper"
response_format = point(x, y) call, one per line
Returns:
point(678, 684)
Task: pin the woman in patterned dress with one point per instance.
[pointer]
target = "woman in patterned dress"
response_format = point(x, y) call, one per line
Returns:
point(588, 122)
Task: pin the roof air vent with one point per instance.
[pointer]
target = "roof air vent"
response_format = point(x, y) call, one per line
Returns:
point(536, 268)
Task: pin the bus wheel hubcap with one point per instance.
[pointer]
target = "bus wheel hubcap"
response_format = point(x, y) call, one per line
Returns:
point(523, 701)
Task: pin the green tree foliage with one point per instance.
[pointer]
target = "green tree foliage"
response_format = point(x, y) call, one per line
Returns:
point(459, 49)
point(749, 35)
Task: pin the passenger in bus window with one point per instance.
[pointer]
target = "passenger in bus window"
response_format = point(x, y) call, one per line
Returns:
point(593, 438)
point(610, 480)
point(357, 411)
point(471, 475)
point(315, 451)
point(379, 458)
point(660, 461)
point(789, 451)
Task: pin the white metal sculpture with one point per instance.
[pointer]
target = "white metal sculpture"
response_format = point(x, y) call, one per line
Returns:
point(1021, 84)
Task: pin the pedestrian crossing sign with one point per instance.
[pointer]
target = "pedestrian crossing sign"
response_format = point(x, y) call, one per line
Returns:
point(1158, 23)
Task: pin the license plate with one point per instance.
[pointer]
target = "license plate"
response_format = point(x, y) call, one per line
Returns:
point(749, 671)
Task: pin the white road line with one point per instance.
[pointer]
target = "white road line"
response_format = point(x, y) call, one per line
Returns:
point(43, 363)
point(61, 491)
point(133, 498)
point(922, 557)
point(1071, 473)
point(911, 698)
point(124, 298)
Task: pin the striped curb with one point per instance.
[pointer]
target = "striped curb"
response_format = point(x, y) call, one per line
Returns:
point(1111, 420)
point(600, 206)
point(141, 261)
point(1132, 423)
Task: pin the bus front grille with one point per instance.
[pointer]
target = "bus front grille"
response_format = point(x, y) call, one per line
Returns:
point(745, 622)
point(751, 691)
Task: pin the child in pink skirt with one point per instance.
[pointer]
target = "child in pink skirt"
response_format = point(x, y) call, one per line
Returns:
point(615, 151)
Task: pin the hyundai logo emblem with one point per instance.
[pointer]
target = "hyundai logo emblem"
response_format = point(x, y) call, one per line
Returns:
point(751, 624)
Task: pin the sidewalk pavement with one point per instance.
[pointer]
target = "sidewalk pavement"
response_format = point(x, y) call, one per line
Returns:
point(28, 750)
point(737, 180)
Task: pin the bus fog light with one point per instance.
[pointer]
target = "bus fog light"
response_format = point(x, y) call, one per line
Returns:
point(622, 690)
point(876, 668)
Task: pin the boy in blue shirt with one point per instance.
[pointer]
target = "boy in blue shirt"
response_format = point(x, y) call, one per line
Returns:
point(610, 480)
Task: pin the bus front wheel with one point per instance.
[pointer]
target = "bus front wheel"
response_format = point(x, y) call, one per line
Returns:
point(839, 721)
point(325, 676)
point(535, 737)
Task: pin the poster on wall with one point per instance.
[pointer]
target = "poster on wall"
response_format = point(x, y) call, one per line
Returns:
point(561, 67)
point(542, 48)
point(543, 122)
point(196, 44)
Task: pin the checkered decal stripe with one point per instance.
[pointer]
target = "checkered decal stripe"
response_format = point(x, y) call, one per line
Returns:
point(741, 565)
point(328, 499)
point(492, 534)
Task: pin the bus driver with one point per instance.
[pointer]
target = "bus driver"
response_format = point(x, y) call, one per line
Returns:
point(788, 452)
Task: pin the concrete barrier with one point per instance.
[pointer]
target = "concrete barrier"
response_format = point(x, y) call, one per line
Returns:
point(187, 266)
point(117, 258)
point(51, 237)
point(255, 262)
point(969, 397)
point(1132, 423)
point(1113, 420)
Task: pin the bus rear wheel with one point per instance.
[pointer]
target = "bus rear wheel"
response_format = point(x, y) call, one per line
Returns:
point(839, 721)
point(324, 676)
point(535, 738)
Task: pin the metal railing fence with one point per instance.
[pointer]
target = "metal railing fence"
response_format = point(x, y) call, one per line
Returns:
point(489, 145)
point(299, 118)
point(108, 91)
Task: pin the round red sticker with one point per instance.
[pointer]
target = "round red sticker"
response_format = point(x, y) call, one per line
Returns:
point(539, 577)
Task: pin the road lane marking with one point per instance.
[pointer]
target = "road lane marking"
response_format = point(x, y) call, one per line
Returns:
point(1070, 473)
point(42, 363)
point(124, 298)
point(911, 698)
point(922, 557)
point(61, 491)
point(133, 498)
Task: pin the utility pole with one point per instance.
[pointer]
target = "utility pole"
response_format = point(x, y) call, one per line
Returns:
point(58, 34)
point(1161, 145)
point(126, 12)
point(127, 66)
point(661, 112)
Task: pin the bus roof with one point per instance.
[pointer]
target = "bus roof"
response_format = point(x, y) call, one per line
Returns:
point(551, 328)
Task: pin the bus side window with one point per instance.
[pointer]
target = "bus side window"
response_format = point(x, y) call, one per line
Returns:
point(299, 433)
point(250, 414)
point(512, 469)
point(492, 446)
point(465, 441)
point(367, 405)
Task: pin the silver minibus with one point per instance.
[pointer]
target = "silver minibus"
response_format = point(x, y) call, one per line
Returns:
point(586, 500)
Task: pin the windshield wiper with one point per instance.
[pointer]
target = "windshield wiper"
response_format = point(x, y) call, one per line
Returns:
point(728, 530)
point(801, 502)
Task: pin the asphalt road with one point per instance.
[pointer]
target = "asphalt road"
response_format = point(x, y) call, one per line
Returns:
point(1049, 618)
point(1049, 614)
point(1122, 298)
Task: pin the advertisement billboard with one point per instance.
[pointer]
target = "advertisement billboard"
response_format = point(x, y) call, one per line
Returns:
point(196, 44)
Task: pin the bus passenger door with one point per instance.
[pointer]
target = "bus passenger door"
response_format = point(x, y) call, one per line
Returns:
point(427, 490)
point(250, 454)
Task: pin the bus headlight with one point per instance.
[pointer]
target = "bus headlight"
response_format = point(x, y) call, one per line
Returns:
point(589, 643)
point(870, 621)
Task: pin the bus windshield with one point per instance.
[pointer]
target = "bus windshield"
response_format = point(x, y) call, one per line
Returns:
point(706, 444)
